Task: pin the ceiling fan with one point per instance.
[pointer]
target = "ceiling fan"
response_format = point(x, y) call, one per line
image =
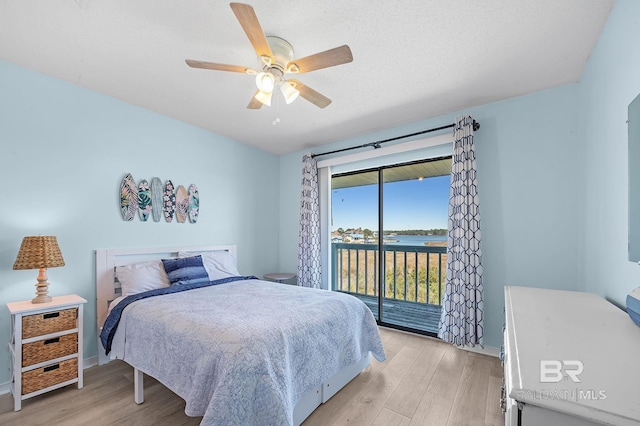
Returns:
point(276, 59)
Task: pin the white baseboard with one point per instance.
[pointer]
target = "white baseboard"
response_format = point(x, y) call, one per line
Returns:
point(88, 362)
point(487, 350)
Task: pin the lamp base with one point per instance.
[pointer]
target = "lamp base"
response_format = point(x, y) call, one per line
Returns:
point(41, 299)
point(42, 288)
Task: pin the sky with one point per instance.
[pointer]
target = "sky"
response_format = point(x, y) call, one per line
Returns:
point(410, 204)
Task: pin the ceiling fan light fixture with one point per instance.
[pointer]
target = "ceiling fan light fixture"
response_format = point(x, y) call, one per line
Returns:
point(264, 97)
point(275, 59)
point(265, 81)
point(289, 91)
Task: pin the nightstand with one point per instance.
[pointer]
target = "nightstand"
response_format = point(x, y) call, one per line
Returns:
point(45, 346)
point(279, 277)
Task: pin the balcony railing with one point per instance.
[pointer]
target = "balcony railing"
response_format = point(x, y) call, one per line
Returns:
point(412, 273)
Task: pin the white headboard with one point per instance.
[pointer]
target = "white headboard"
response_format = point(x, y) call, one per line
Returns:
point(107, 287)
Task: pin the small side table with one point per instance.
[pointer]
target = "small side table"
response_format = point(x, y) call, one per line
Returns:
point(45, 345)
point(279, 277)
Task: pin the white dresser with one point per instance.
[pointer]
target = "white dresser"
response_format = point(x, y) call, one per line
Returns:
point(570, 358)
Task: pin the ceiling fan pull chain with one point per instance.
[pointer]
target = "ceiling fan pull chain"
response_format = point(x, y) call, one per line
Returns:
point(276, 111)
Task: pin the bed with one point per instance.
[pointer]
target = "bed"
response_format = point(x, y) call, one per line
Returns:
point(237, 349)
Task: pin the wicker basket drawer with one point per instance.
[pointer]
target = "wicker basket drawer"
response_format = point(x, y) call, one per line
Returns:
point(50, 375)
point(43, 350)
point(48, 322)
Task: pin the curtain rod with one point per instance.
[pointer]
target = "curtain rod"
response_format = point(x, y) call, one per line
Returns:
point(376, 144)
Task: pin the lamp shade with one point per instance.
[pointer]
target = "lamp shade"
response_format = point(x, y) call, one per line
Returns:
point(264, 97)
point(289, 91)
point(265, 81)
point(39, 252)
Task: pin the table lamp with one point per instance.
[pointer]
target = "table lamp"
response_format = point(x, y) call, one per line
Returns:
point(39, 252)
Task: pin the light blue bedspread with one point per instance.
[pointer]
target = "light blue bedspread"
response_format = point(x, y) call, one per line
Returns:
point(243, 353)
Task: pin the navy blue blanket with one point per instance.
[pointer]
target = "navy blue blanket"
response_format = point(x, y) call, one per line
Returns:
point(111, 323)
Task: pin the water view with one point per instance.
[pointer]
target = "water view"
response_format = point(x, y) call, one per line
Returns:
point(393, 239)
point(415, 240)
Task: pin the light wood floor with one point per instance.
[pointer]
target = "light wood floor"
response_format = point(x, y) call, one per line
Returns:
point(422, 382)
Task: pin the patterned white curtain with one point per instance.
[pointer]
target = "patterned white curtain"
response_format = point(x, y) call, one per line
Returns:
point(309, 237)
point(461, 320)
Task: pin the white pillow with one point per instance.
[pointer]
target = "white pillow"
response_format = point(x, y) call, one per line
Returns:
point(140, 277)
point(219, 264)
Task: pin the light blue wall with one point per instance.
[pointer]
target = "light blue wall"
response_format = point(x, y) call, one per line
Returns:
point(64, 150)
point(529, 172)
point(610, 82)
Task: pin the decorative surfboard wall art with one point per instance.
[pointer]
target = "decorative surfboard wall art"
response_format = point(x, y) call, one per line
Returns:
point(182, 204)
point(169, 200)
point(157, 200)
point(194, 203)
point(128, 197)
point(144, 200)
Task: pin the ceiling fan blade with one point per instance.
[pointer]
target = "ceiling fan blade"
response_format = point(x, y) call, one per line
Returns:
point(311, 95)
point(219, 67)
point(254, 103)
point(328, 58)
point(251, 26)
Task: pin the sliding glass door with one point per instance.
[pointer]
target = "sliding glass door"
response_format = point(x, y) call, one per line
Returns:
point(389, 240)
point(354, 236)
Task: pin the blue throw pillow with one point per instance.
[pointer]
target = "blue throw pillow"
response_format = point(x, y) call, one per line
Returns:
point(185, 270)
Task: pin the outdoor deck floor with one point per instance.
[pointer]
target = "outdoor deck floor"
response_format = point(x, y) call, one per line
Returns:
point(419, 316)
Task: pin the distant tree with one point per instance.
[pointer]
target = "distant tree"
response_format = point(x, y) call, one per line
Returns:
point(367, 233)
point(420, 232)
point(340, 231)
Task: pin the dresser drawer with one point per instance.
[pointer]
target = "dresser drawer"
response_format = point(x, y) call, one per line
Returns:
point(41, 378)
point(48, 322)
point(44, 350)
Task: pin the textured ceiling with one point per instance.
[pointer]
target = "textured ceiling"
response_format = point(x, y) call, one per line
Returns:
point(413, 59)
